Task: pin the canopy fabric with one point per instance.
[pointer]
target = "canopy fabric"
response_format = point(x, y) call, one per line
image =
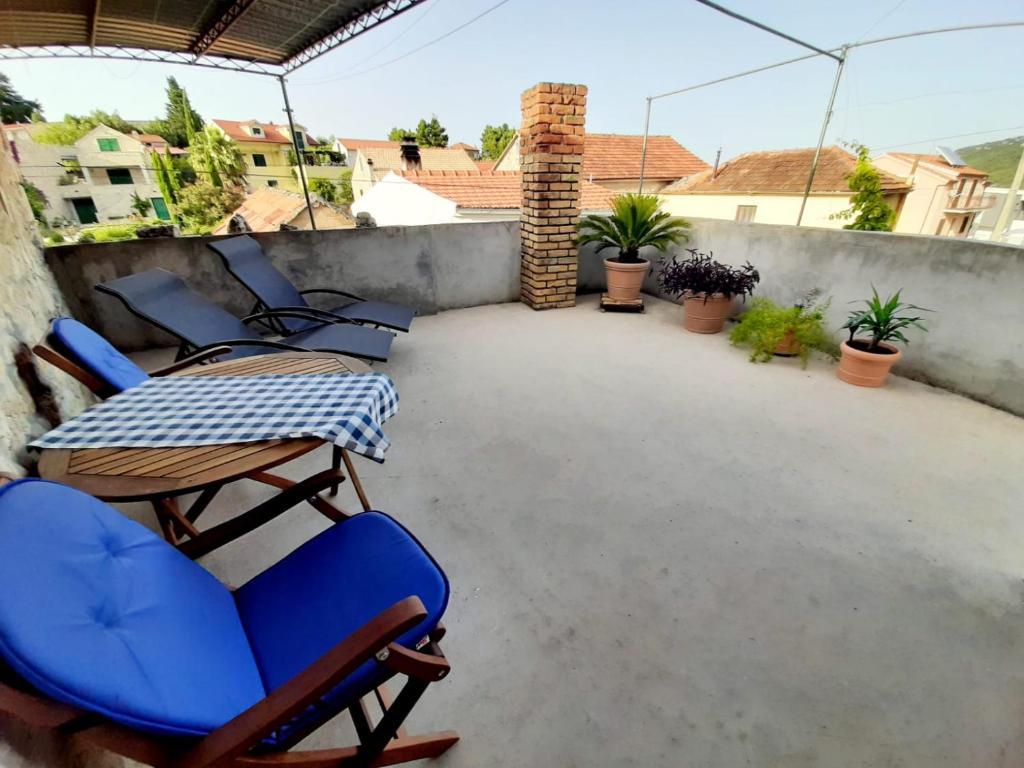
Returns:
point(269, 36)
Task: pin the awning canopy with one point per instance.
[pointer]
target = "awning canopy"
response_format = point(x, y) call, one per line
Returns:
point(263, 36)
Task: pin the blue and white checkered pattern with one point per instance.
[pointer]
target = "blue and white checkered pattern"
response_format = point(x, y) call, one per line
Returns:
point(179, 411)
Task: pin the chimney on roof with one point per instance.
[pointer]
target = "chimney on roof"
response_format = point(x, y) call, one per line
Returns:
point(411, 160)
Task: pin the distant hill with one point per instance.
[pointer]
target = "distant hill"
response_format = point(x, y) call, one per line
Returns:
point(999, 158)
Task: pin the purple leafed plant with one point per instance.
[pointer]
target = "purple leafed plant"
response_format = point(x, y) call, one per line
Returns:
point(701, 274)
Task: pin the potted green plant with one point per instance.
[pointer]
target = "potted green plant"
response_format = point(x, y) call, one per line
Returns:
point(636, 222)
point(866, 361)
point(769, 330)
point(707, 288)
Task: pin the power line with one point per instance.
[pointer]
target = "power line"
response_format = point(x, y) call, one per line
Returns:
point(954, 136)
point(883, 18)
point(407, 54)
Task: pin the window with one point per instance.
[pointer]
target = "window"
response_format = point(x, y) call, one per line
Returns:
point(120, 176)
point(108, 145)
point(260, 161)
point(745, 213)
point(256, 130)
point(271, 182)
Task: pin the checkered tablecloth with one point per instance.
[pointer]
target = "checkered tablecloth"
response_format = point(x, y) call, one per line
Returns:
point(179, 411)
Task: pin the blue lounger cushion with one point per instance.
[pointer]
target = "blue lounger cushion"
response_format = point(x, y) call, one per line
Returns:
point(100, 613)
point(97, 355)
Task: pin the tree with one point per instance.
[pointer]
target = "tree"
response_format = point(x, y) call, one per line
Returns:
point(36, 201)
point(15, 108)
point(494, 139)
point(325, 189)
point(868, 208)
point(167, 179)
point(401, 134)
point(203, 205)
point(345, 196)
point(74, 127)
point(140, 205)
point(178, 116)
point(431, 134)
point(216, 157)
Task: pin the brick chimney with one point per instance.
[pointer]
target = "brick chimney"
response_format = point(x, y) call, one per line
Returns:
point(411, 160)
point(551, 157)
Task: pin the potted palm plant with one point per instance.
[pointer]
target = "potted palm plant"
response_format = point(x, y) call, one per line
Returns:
point(636, 222)
point(707, 288)
point(866, 361)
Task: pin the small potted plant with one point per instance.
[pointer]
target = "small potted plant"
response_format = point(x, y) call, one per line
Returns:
point(707, 288)
point(769, 329)
point(866, 361)
point(636, 222)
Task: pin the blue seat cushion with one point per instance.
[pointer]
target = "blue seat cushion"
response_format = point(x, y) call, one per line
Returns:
point(98, 612)
point(94, 353)
point(301, 607)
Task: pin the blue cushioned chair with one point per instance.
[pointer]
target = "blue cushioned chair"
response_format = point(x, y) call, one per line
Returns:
point(107, 630)
point(77, 349)
point(245, 260)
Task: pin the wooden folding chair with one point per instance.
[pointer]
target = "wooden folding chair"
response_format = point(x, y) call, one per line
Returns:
point(96, 612)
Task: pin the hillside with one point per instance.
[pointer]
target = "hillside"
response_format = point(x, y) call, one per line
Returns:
point(999, 158)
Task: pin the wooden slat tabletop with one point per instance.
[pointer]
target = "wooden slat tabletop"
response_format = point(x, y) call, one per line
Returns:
point(136, 473)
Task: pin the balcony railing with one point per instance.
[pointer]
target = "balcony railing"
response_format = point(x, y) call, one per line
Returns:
point(976, 202)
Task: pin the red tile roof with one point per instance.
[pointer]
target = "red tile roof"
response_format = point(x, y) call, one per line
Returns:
point(148, 138)
point(351, 144)
point(501, 190)
point(272, 133)
point(464, 146)
point(267, 208)
point(780, 172)
point(940, 162)
point(608, 156)
point(485, 166)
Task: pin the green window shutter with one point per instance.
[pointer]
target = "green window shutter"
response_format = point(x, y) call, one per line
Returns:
point(119, 176)
point(108, 145)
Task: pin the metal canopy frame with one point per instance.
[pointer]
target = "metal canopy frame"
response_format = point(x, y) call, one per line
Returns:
point(198, 53)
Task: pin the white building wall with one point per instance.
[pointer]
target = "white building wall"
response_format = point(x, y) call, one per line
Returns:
point(396, 201)
point(113, 201)
point(771, 209)
point(40, 164)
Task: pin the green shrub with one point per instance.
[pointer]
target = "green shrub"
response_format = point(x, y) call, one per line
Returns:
point(54, 238)
point(765, 324)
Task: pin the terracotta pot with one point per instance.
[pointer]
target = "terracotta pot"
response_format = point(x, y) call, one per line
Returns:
point(789, 346)
point(624, 279)
point(866, 369)
point(700, 316)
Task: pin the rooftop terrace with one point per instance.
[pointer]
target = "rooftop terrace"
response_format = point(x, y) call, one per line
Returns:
point(745, 565)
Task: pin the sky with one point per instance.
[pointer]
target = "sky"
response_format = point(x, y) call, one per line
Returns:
point(953, 89)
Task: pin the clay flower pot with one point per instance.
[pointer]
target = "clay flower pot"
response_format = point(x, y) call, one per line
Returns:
point(625, 278)
point(789, 346)
point(866, 369)
point(700, 316)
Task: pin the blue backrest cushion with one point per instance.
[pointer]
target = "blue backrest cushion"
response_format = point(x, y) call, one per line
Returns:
point(332, 585)
point(164, 299)
point(98, 612)
point(244, 258)
point(95, 354)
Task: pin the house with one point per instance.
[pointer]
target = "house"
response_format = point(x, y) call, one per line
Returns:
point(613, 161)
point(411, 198)
point(52, 169)
point(349, 147)
point(270, 209)
point(372, 164)
point(945, 199)
point(768, 188)
point(116, 168)
point(268, 151)
point(986, 221)
point(469, 149)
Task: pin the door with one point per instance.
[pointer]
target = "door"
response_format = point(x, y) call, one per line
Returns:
point(160, 208)
point(85, 210)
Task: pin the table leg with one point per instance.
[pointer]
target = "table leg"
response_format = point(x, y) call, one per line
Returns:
point(356, 483)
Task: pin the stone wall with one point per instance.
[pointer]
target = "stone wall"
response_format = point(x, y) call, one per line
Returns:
point(551, 156)
point(975, 345)
point(29, 298)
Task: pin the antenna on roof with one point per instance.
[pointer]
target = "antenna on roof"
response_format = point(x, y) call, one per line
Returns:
point(951, 156)
point(714, 171)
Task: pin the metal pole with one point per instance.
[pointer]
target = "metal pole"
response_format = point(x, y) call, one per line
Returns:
point(1005, 217)
point(643, 151)
point(298, 153)
point(821, 136)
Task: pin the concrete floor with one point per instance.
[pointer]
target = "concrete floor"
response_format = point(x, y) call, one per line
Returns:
point(663, 555)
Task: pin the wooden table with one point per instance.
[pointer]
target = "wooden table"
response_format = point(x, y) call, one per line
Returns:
point(160, 474)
